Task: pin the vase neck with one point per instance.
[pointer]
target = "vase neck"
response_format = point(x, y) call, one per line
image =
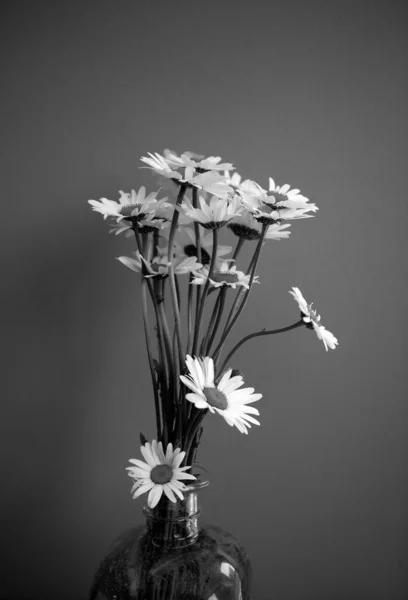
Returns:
point(175, 524)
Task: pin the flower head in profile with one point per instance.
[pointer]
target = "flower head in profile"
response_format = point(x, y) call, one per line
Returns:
point(185, 244)
point(158, 266)
point(196, 161)
point(131, 207)
point(224, 398)
point(188, 174)
point(246, 226)
point(214, 214)
point(161, 473)
point(226, 274)
point(312, 320)
point(145, 225)
point(279, 204)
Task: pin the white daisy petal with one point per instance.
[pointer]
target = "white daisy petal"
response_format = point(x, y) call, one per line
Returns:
point(186, 476)
point(169, 451)
point(169, 493)
point(177, 460)
point(199, 401)
point(177, 491)
point(137, 472)
point(148, 455)
point(154, 496)
point(143, 489)
point(140, 464)
point(250, 419)
point(250, 410)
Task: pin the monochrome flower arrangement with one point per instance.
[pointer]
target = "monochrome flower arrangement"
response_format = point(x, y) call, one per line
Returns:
point(178, 239)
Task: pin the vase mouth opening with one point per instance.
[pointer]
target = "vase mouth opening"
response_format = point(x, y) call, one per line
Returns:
point(188, 507)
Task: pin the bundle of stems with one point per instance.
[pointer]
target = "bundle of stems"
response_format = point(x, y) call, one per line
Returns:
point(179, 421)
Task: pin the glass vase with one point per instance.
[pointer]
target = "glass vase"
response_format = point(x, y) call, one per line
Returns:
point(174, 557)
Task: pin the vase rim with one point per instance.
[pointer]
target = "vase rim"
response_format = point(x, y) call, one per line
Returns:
point(197, 485)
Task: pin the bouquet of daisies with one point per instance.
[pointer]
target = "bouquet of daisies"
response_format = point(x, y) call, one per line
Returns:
point(186, 276)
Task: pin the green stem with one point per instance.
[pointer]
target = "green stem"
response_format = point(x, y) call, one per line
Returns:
point(257, 334)
point(190, 313)
point(221, 298)
point(241, 291)
point(168, 398)
point(159, 417)
point(233, 318)
point(178, 291)
point(198, 249)
point(192, 428)
point(220, 304)
point(211, 323)
point(164, 368)
point(173, 290)
point(238, 247)
point(206, 286)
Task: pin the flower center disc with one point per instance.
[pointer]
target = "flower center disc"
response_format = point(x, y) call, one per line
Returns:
point(244, 231)
point(269, 208)
point(191, 250)
point(127, 209)
point(278, 197)
point(215, 398)
point(161, 474)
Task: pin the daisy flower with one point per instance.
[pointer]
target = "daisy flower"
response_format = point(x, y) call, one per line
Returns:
point(185, 244)
point(211, 163)
point(146, 225)
point(209, 181)
point(233, 180)
point(189, 153)
point(224, 398)
point(160, 473)
point(279, 204)
point(216, 214)
point(247, 227)
point(312, 320)
point(131, 207)
point(160, 219)
point(227, 274)
point(158, 267)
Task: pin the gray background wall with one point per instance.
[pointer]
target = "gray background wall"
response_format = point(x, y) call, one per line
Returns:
point(313, 93)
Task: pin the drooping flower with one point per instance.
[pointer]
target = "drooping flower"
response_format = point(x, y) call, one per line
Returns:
point(214, 214)
point(158, 266)
point(161, 473)
point(185, 244)
point(312, 320)
point(246, 226)
point(226, 274)
point(209, 181)
point(224, 397)
point(279, 204)
point(132, 207)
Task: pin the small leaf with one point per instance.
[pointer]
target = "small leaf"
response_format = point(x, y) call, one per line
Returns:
point(143, 439)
